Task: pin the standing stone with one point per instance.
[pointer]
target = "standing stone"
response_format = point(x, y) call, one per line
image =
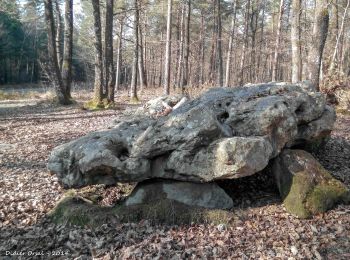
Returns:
point(305, 186)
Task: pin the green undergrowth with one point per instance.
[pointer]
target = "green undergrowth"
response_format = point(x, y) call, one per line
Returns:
point(77, 210)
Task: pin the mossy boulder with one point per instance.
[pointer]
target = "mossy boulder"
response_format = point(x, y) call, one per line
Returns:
point(305, 186)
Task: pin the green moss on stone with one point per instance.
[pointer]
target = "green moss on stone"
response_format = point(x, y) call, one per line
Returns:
point(294, 201)
point(325, 195)
point(76, 210)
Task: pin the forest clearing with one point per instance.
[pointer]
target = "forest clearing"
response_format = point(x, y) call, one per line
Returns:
point(178, 129)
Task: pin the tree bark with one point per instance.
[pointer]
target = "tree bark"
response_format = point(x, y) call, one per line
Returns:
point(230, 44)
point(133, 87)
point(187, 45)
point(220, 78)
point(98, 84)
point(119, 55)
point(59, 87)
point(68, 46)
point(59, 36)
point(109, 65)
point(334, 61)
point(245, 45)
point(166, 85)
point(296, 42)
point(277, 44)
point(319, 37)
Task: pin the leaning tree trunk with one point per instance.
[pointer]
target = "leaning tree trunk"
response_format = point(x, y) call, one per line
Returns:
point(166, 85)
point(296, 43)
point(98, 85)
point(277, 44)
point(68, 46)
point(59, 87)
point(109, 66)
point(319, 37)
point(133, 87)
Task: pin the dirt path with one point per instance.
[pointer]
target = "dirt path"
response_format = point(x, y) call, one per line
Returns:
point(261, 227)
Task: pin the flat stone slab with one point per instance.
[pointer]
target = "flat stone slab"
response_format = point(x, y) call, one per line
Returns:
point(206, 195)
point(226, 133)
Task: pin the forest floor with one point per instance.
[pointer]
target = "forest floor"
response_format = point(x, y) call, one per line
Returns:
point(30, 129)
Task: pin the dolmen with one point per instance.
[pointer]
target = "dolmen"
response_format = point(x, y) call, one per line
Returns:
point(226, 133)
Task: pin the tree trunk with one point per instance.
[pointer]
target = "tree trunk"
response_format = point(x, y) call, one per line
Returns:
point(68, 47)
point(187, 45)
point(335, 61)
point(277, 44)
point(230, 44)
point(59, 87)
point(296, 43)
point(59, 36)
point(319, 37)
point(142, 75)
point(109, 65)
point(119, 55)
point(133, 87)
point(181, 49)
point(220, 78)
point(245, 45)
point(168, 52)
point(98, 85)
point(202, 49)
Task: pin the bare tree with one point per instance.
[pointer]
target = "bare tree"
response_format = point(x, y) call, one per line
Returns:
point(109, 66)
point(133, 87)
point(338, 37)
point(68, 46)
point(230, 44)
point(277, 44)
point(59, 34)
point(166, 85)
point(61, 94)
point(220, 77)
point(319, 37)
point(98, 85)
point(186, 69)
point(296, 41)
point(119, 53)
point(245, 45)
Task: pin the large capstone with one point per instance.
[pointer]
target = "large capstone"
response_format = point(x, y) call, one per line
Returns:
point(226, 133)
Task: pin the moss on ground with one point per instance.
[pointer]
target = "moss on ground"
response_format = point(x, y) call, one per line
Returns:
point(76, 210)
point(94, 105)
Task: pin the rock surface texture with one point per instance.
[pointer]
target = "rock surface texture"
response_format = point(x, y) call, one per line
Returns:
point(208, 195)
point(305, 186)
point(226, 133)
